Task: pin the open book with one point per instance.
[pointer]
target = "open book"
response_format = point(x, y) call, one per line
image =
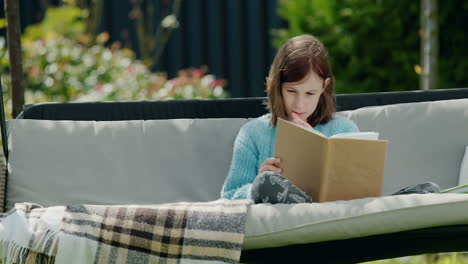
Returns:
point(456, 189)
point(342, 167)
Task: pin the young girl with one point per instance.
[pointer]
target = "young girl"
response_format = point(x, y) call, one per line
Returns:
point(300, 88)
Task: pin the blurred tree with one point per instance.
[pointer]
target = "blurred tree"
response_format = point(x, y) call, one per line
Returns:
point(429, 44)
point(92, 12)
point(14, 52)
point(152, 43)
point(374, 45)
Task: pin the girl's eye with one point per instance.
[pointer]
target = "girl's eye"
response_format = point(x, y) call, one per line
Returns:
point(310, 93)
point(291, 91)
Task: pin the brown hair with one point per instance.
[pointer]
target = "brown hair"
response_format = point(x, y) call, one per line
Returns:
point(293, 63)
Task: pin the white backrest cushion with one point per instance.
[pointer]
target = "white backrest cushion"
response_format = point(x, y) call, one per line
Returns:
point(426, 140)
point(463, 178)
point(119, 162)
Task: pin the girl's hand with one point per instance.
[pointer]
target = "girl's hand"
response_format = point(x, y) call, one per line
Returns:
point(270, 164)
point(297, 120)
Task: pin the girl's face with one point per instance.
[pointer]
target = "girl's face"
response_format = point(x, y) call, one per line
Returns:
point(302, 97)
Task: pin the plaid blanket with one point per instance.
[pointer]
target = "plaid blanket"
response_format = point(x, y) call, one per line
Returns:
point(28, 234)
point(210, 232)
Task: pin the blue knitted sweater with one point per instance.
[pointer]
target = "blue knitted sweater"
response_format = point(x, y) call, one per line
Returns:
point(255, 142)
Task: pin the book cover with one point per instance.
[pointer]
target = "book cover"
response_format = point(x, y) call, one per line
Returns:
point(330, 169)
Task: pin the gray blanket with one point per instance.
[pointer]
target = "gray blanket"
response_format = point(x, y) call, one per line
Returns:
point(209, 232)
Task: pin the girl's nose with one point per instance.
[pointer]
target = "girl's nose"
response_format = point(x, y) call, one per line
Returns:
point(299, 102)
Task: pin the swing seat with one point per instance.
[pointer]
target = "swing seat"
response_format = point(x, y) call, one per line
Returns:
point(171, 151)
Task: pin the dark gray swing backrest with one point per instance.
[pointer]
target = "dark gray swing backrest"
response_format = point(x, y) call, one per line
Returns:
point(214, 108)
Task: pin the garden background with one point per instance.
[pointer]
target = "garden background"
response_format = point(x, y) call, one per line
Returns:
point(101, 50)
point(163, 49)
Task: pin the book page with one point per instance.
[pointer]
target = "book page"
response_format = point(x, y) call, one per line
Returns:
point(358, 135)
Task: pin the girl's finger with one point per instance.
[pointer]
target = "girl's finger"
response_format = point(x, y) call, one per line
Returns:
point(305, 124)
point(300, 122)
point(271, 161)
point(270, 168)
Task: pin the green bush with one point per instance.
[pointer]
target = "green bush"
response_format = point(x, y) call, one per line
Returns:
point(436, 258)
point(63, 63)
point(375, 45)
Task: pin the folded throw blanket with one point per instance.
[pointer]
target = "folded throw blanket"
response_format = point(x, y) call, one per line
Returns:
point(29, 234)
point(209, 232)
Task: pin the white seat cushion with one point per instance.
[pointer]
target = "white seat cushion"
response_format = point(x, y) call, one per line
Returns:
point(279, 225)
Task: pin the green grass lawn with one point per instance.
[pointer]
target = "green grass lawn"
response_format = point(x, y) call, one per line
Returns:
point(442, 258)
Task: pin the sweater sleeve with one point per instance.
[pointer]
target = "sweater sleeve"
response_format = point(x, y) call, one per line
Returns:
point(243, 168)
point(343, 125)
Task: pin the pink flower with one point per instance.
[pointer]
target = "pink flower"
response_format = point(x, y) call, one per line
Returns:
point(174, 83)
point(215, 83)
point(130, 70)
point(35, 71)
point(197, 73)
point(183, 80)
point(98, 87)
